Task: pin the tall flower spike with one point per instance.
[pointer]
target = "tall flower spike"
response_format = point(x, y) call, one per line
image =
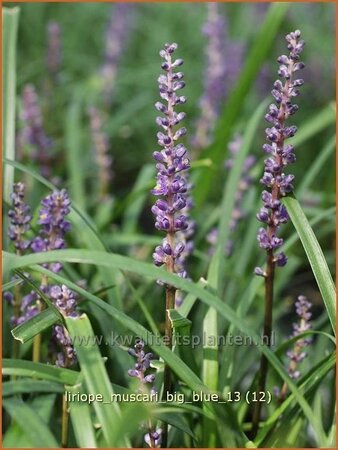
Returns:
point(171, 185)
point(297, 354)
point(223, 63)
point(171, 162)
point(278, 184)
point(33, 133)
point(273, 213)
point(153, 437)
point(52, 218)
point(54, 54)
point(20, 218)
point(116, 38)
point(101, 150)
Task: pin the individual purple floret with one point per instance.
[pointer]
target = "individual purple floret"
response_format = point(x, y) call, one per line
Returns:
point(297, 354)
point(33, 132)
point(55, 207)
point(116, 39)
point(223, 63)
point(20, 218)
point(54, 54)
point(171, 162)
point(153, 437)
point(244, 184)
point(101, 150)
point(278, 184)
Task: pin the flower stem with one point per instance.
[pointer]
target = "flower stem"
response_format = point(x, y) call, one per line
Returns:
point(64, 422)
point(269, 282)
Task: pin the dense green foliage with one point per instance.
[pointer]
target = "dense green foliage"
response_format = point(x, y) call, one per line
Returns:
point(112, 239)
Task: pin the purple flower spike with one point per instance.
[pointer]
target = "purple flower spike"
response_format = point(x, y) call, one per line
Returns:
point(64, 300)
point(20, 218)
point(172, 162)
point(101, 150)
point(297, 354)
point(67, 356)
point(54, 54)
point(33, 133)
point(280, 154)
point(142, 364)
point(55, 207)
point(219, 75)
point(116, 38)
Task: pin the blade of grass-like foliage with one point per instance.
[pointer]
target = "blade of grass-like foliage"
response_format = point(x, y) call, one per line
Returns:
point(81, 420)
point(190, 300)
point(10, 19)
point(27, 330)
point(22, 368)
point(178, 366)
point(38, 433)
point(130, 239)
point(95, 375)
point(74, 153)
point(137, 198)
point(315, 256)
point(316, 124)
point(10, 388)
point(307, 382)
point(42, 406)
point(143, 307)
point(11, 284)
point(148, 270)
point(260, 48)
point(316, 167)
point(216, 268)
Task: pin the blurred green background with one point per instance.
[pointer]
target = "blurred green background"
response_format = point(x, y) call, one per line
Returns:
point(131, 126)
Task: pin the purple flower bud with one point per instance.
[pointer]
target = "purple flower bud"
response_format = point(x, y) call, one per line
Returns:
point(259, 272)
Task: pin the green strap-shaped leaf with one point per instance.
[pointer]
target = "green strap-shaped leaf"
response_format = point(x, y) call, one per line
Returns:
point(95, 375)
point(10, 19)
point(27, 330)
point(36, 430)
point(28, 386)
point(24, 368)
point(148, 270)
point(315, 256)
point(81, 419)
